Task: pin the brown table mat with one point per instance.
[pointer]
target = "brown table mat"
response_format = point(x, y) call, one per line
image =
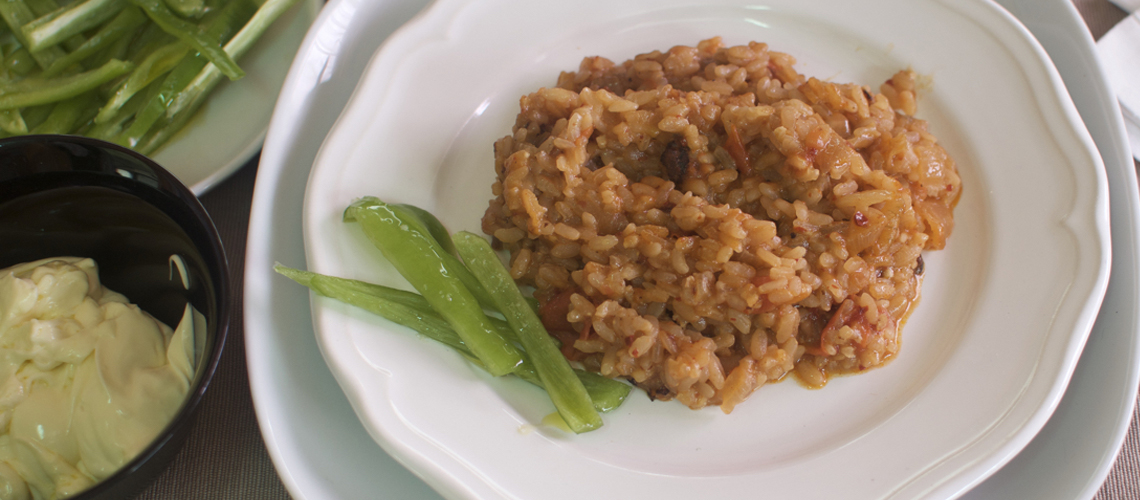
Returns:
point(225, 457)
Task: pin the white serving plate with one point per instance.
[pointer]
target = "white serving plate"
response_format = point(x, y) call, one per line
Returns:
point(230, 126)
point(987, 356)
point(1076, 449)
point(323, 452)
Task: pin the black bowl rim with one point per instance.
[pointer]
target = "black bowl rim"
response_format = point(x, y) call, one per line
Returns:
point(215, 255)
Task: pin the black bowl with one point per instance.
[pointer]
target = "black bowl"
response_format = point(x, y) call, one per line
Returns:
point(73, 196)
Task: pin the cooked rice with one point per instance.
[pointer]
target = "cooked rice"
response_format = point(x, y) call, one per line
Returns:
point(706, 220)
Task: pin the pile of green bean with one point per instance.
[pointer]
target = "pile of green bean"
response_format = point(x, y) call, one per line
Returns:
point(133, 72)
point(452, 304)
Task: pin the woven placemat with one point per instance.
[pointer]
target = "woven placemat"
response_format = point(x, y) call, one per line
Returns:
point(224, 456)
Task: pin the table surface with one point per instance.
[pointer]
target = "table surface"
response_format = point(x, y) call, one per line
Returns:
point(225, 456)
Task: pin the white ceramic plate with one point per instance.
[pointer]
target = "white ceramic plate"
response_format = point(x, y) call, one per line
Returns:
point(987, 355)
point(231, 125)
point(320, 448)
point(1076, 449)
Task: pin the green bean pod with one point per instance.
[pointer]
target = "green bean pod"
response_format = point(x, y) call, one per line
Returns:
point(419, 258)
point(32, 91)
point(412, 310)
point(566, 391)
point(126, 22)
point(76, 18)
point(433, 228)
point(158, 12)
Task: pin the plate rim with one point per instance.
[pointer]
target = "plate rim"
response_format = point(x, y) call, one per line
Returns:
point(250, 271)
point(455, 478)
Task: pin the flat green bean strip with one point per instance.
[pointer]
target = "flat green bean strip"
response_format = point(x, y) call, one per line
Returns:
point(155, 65)
point(429, 324)
point(136, 136)
point(65, 25)
point(147, 39)
point(188, 8)
point(434, 226)
point(117, 50)
point(439, 232)
point(33, 91)
point(67, 113)
point(196, 92)
point(419, 258)
point(449, 259)
point(110, 129)
point(403, 297)
point(220, 26)
point(429, 221)
point(165, 131)
point(20, 62)
point(126, 22)
point(605, 393)
point(147, 42)
point(41, 8)
point(16, 14)
point(12, 122)
point(566, 391)
point(192, 35)
point(35, 115)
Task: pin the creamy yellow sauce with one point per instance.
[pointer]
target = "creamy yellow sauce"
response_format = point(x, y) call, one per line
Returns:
point(87, 379)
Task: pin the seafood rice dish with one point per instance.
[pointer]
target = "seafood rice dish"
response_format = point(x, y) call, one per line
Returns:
point(705, 220)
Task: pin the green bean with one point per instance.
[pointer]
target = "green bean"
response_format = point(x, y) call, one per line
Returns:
point(148, 40)
point(12, 122)
point(35, 115)
point(403, 297)
point(49, 30)
point(155, 65)
point(132, 45)
point(196, 91)
point(116, 50)
point(387, 293)
point(126, 22)
point(439, 232)
point(31, 92)
point(175, 81)
point(111, 128)
point(412, 310)
point(429, 324)
point(419, 258)
point(67, 113)
point(166, 130)
point(434, 227)
point(20, 62)
point(44, 7)
point(188, 8)
point(413, 215)
point(220, 27)
point(192, 35)
point(16, 14)
point(41, 8)
point(606, 393)
point(566, 391)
